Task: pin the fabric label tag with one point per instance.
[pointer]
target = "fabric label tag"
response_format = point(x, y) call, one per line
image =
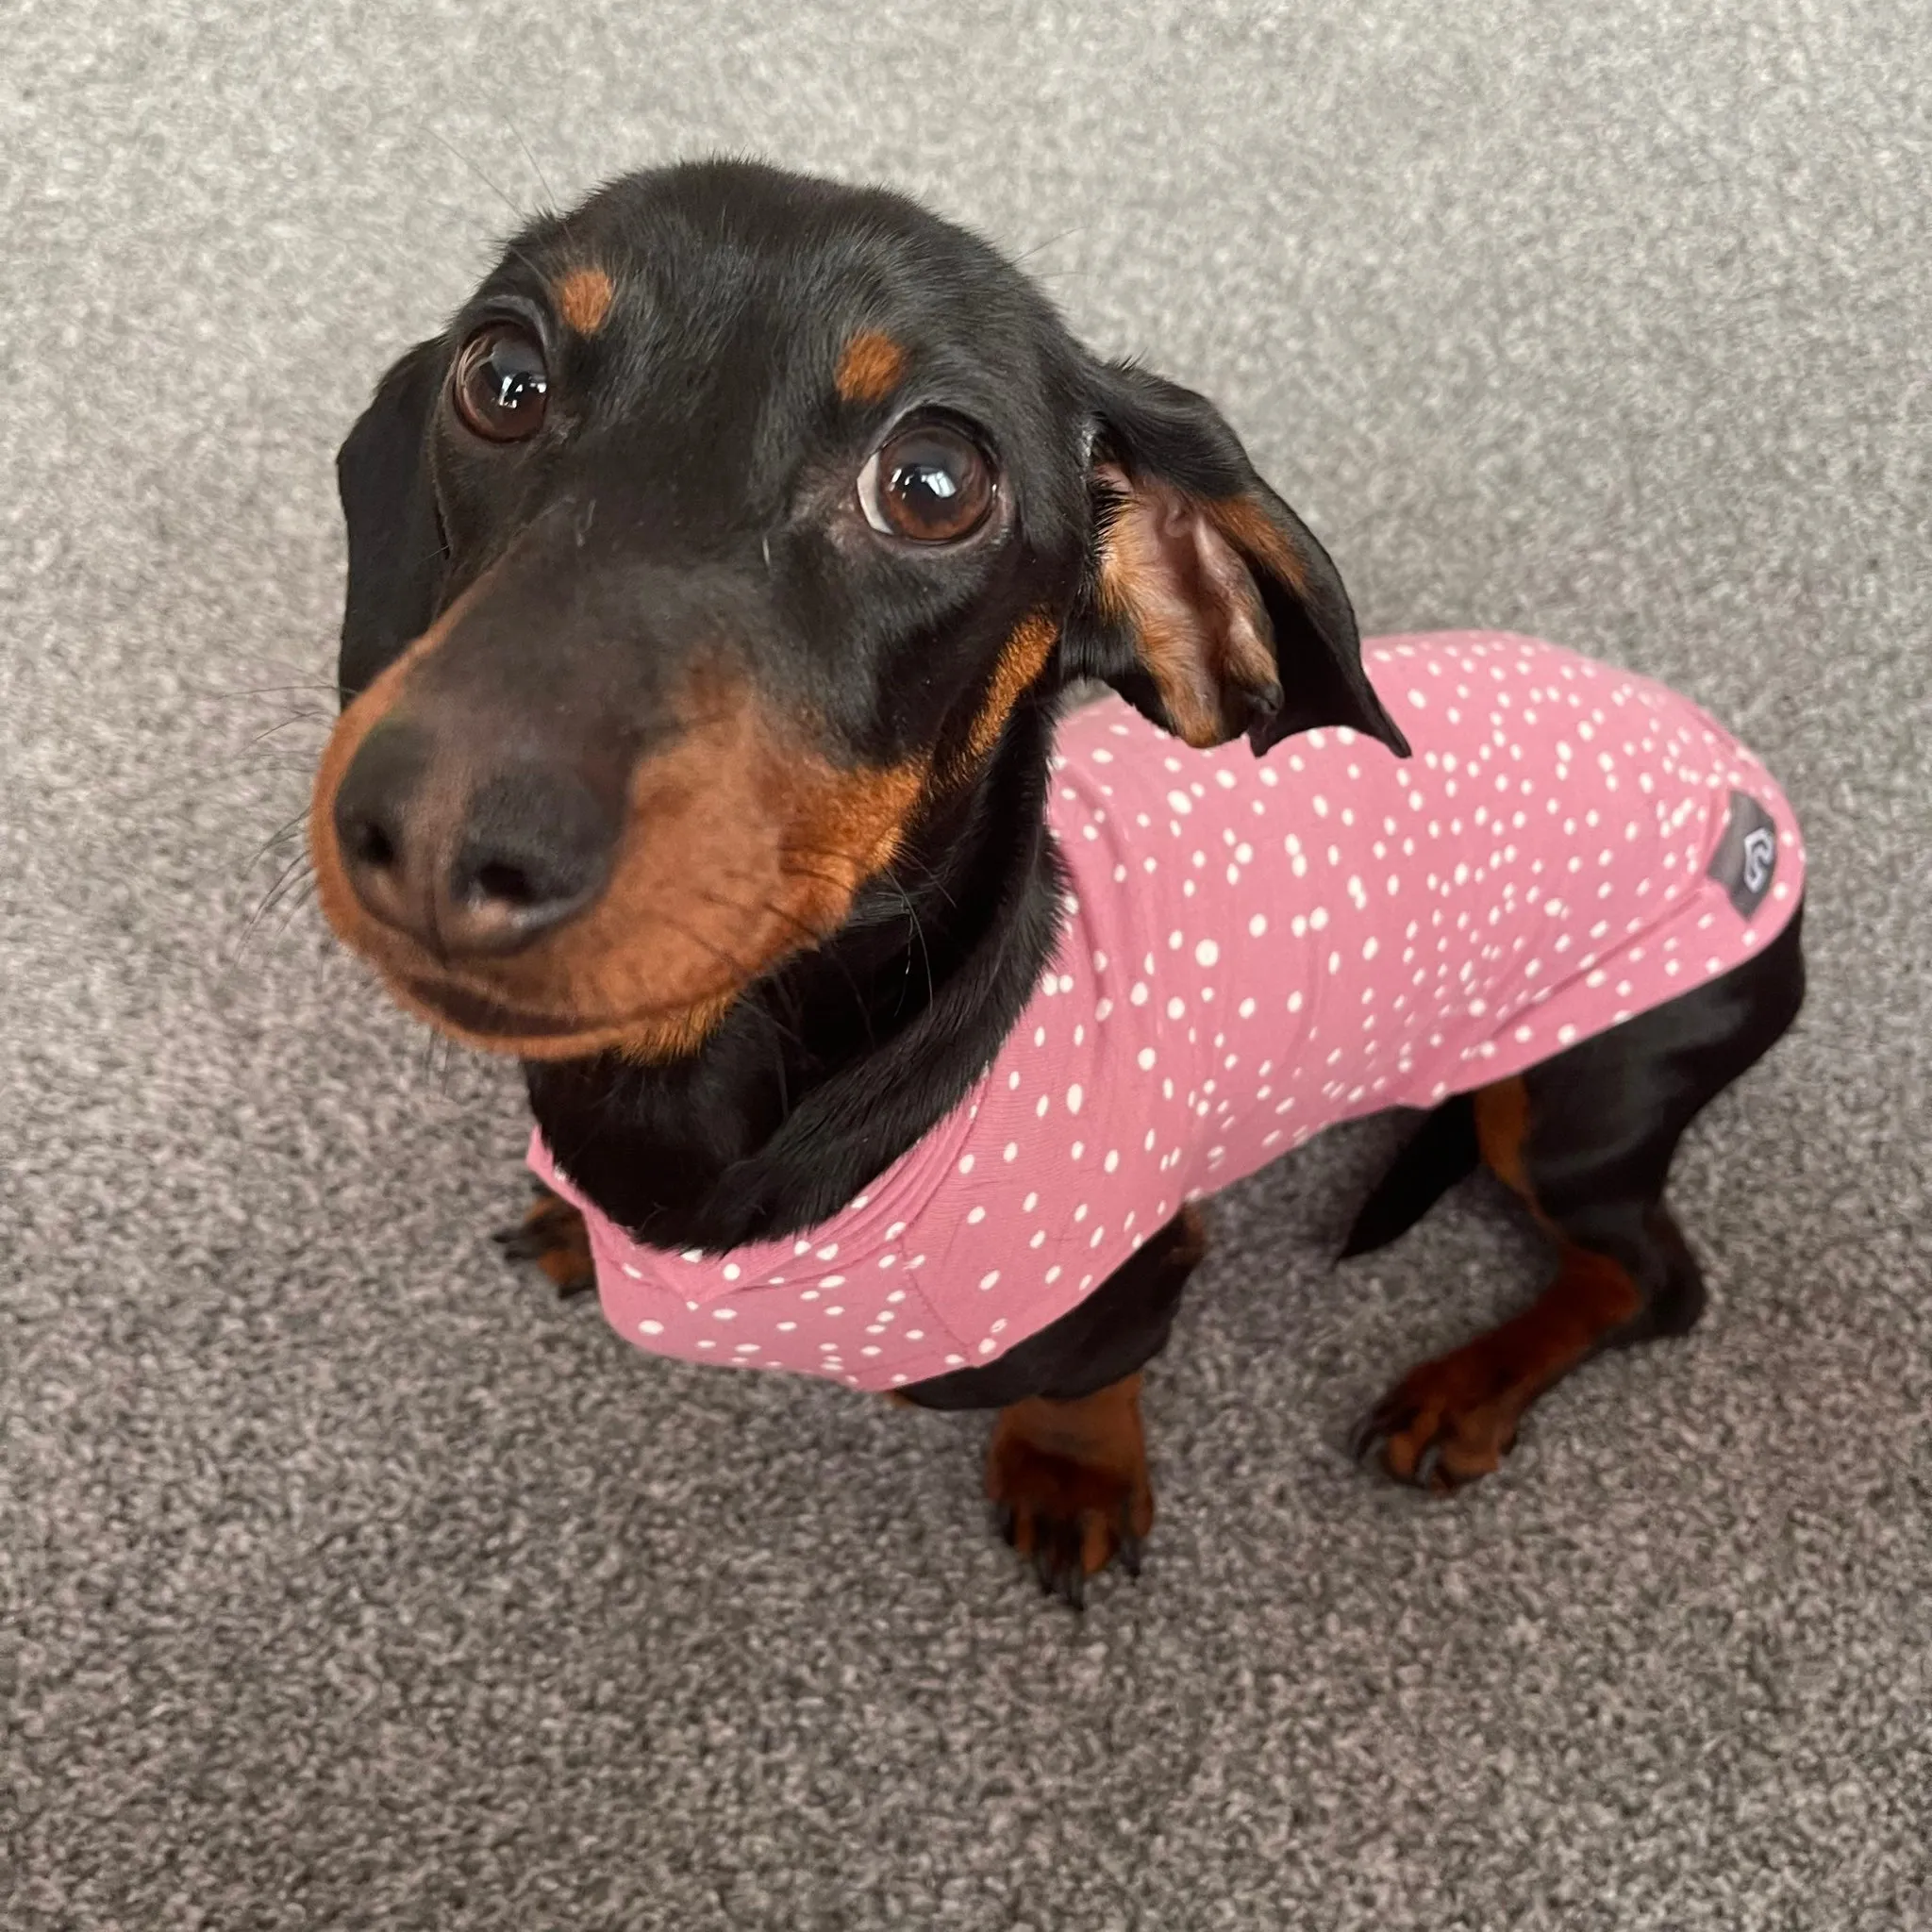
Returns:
point(1746, 856)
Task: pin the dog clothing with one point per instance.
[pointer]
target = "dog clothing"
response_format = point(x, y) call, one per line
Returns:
point(1253, 950)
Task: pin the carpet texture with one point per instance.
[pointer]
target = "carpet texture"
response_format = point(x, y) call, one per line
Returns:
point(347, 1580)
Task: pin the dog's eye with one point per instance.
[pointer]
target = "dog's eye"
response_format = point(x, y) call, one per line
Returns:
point(501, 385)
point(931, 483)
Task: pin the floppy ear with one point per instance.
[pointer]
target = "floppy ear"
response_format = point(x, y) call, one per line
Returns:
point(396, 551)
point(1209, 607)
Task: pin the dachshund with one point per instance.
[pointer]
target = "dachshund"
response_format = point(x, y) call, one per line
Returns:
point(916, 803)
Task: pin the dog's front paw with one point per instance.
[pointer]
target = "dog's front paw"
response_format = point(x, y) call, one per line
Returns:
point(1069, 1485)
point(554, 1236)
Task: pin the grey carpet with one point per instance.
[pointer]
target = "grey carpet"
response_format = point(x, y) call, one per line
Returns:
point(350, 1581)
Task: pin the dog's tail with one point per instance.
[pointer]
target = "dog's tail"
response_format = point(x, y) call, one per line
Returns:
point(1443, 1152)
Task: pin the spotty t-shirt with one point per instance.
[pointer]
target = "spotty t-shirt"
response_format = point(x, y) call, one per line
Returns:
point(1254, 949)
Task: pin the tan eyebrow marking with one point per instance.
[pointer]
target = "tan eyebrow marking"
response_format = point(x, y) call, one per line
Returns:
point(584, 298)
point(870, 368)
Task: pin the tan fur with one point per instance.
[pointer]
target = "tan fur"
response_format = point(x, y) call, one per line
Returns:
point(1169, 575)
point(1502, 1125)
point(583, 299)
point(1252, 531)
point(1083, 1463)
point(870, 368)
point(1019, 662)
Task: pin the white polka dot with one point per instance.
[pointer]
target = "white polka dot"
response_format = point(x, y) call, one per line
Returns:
point(1258, 924)
point(1145, 1057)
point(1073, 1099)
point(990, 1279)
point(650, 1327)
point(1206, 951)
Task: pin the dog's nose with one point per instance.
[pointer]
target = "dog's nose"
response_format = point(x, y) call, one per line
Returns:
point(468, 867)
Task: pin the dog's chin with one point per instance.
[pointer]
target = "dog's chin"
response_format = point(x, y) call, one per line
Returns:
point(494, 1025)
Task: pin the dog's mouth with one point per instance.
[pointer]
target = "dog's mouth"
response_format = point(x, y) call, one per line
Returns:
point(498, 1026)
point(481, 1016)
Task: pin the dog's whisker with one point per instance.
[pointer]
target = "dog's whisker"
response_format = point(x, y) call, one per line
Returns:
point(299, 901)
point(536, 167)
point(318, 686)
point(450, 147)
point(294, 718)
point(290, 829)
point(290, 876)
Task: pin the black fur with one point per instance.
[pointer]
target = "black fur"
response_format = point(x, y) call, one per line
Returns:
point(1442, 1151)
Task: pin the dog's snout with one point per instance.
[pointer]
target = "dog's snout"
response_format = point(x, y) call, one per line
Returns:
point(535, 847)
point(469, 865)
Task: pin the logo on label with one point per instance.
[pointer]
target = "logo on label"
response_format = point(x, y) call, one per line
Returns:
point(1745, 860)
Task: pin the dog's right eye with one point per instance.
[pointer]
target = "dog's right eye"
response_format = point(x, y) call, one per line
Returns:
point(502, 385)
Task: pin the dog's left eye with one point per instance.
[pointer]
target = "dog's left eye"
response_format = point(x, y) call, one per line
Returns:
point(932, 483)
point(501, 384)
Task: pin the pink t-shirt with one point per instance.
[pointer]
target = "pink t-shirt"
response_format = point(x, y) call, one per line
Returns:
point(1253, 950)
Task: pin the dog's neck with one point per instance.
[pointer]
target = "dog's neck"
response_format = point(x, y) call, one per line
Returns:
point(826, 1072)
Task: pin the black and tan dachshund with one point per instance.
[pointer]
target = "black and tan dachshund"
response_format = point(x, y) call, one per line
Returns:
point(718, 581)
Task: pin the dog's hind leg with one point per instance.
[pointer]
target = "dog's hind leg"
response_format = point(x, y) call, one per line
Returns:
point(1586, 1141)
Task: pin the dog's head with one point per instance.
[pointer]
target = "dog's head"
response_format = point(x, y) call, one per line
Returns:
point(711, 553)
